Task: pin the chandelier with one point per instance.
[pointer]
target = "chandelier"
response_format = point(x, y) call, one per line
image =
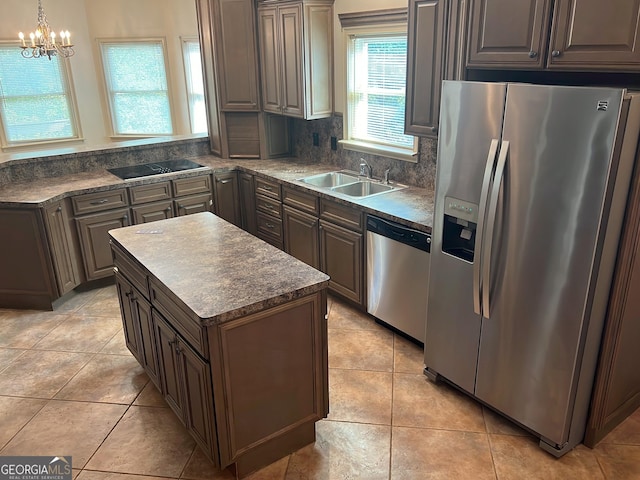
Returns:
point(43, 41)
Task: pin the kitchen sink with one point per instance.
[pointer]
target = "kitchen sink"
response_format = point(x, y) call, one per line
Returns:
point(364, 188)
point(330, 180)
point(349, 183)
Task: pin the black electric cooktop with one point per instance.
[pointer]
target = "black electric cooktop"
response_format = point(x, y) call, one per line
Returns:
point(155, 168)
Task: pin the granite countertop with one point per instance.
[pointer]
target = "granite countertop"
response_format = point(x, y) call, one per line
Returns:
point(411, 206)
point(219, 271)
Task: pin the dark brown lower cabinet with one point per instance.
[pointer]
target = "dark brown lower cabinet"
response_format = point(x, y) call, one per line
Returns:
point(301, 236)
point(185, 381)
point(26, 276)
point(616, 392)
point(341, 257)
point(138, 328)
point(248, 390)
point(247, 202)
point(227, 197)
point(94, 240)
point(63, 251)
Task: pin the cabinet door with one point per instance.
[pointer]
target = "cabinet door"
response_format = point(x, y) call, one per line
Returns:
point(247, 202)
point(125, 290)
point(269, 61)
point(301, 236)
point(290, 25)
point(198, 398)
point(508, 33)
point(93, 231)
point(227, 202)
point(237, 60)
point(341, 257)
point(152, 212)
point(193, 204)
point(592, 34)
point(425, 54)
point(147, 344)
point(168, 367)
point(65, 266)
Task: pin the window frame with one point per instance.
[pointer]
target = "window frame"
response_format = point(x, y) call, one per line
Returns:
point(74, 115)
point(398, 153)
point(185, 41)
point(106, 82)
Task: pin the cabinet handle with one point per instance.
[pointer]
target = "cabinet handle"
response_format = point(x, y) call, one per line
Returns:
point(125, 217)
point(100, 202)
point(59, 209)
point(267, 188)
point(434, 129)
point(555, 53)
point(115, 270)
point(180, 206)
point(533, 54)
point(270, 225)
point(168, 209)
point(223, 181)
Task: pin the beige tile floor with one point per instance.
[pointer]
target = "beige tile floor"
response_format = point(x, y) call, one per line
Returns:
point(68, 386)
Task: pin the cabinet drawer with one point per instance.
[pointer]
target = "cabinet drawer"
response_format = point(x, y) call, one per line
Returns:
point(270, 226)
point(189, 186)
point(269, 206)
point(306, 202)
point(150, 212)
point(179, 318)
point(268, 188)
point(350, 217)
point(193, 204)
point(99, 201)
point(150, 193)
point(131, 269)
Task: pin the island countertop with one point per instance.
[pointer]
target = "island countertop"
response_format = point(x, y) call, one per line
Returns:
point(217, 270)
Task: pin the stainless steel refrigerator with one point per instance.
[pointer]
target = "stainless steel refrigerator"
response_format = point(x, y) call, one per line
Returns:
point(531, 187)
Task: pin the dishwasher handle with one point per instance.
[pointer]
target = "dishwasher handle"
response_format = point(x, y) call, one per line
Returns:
point(399, 233)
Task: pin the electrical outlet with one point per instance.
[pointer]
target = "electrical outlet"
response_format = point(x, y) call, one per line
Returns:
point(316, 139)
point(334, 143)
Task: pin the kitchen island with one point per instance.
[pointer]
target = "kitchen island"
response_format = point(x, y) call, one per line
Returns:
point(231, 330)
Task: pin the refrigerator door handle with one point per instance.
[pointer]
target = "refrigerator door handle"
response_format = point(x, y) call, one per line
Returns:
point(486, 184)
point(491, 221)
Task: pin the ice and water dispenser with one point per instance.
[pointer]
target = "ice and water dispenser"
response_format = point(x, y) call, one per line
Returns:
point(459, 233)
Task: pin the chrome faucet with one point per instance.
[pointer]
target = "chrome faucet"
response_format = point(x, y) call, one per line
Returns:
point(365, 169)
point(386, 176)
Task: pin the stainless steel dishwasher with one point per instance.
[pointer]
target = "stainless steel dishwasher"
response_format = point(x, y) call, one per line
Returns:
point(398, 275)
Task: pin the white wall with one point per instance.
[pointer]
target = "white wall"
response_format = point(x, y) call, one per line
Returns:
point(351, 6)
point(87, 20)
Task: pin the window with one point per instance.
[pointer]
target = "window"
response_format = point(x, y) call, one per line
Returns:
point(137, 90)
point(195, 86)
point(376, 82)
point(36, 103)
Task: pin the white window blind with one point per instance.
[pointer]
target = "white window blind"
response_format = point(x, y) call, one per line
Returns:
point(35, 99)
point(195, 86)
point(136, 81)
point(376, 89)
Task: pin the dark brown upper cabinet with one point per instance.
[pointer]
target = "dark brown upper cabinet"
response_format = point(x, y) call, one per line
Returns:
point(296, 57)
point(435, 52)
point(585, 35)
point(425, 58)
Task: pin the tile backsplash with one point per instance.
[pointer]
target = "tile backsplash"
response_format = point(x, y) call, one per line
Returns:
point(420, 174)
